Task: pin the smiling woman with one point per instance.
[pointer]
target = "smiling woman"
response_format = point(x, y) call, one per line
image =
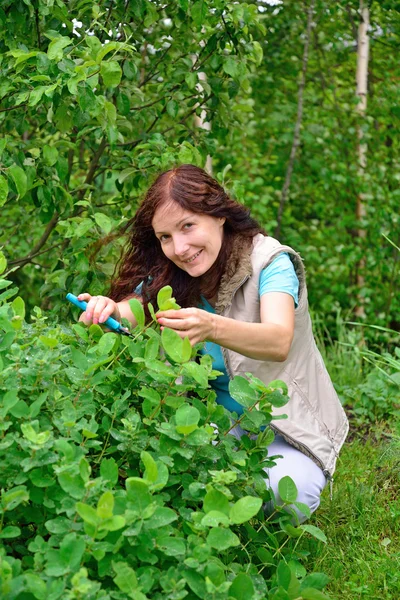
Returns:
point(244, 295)
point(192, 241)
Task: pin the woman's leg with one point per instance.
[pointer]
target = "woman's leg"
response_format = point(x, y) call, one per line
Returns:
point(308, 477)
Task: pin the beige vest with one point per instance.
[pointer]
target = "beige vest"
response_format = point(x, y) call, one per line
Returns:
point(316, 423)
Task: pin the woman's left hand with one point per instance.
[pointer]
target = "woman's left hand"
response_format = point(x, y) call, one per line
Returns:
point(194, 323)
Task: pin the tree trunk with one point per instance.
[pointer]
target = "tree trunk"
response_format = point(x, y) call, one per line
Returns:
point(201, 122)
point(362, 90)
point(297, 127)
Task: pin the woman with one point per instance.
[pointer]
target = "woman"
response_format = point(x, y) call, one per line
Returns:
point(245, 295)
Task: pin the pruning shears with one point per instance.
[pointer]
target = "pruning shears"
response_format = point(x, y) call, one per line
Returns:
point(110, 323)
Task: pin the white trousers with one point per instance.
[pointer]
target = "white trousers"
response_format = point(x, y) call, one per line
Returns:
point(308, 477)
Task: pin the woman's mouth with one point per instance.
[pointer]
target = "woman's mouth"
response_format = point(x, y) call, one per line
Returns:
point(189, 260)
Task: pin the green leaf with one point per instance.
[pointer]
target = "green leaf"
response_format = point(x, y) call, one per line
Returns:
point(109, 470)
point(18, 306)
point(242, 392)
point(3, 190)
point(125, 578)
point(171, 546)
point(162, 477)
point(3, 144)
point(50, 155)
point(151, 472)
point(315, 532)
point(71, 550)
point(244, 509)
point(163, 296)
point(214, 518)
point(56, 47)
point(138, 493)
point(130, 69)
point(278, 384)
point(287, 489)
point(36, 586)
point(113, 523)
point(191, 80)
point(172, 108)
point(152, 348)
point(186, 418)
point(172, 344)
point(59, 525)
point(303, 508)
point(315, 580)
point(104, 222)
point(242, 587)
point(283, 575)
point(216, 500)
point(123, 104)
point(88, 514)
point(222, 539)
point(230, 66)
point(196, 583)
point(49, 342)
point(72, 484)
point(3, 263)
point(313, 594)
point(105, 505)
point(20, 180)
point(105, 49)
point(197, 372)
point(199, 12)
point(111, 73)
point(14, 497)
point(10, 532)
point(161, 517)
point(106, 343)
point(138, 311)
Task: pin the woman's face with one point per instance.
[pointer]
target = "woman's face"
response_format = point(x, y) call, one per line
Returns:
point(192, 241)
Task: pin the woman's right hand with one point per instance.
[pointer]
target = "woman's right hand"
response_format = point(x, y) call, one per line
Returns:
point(98, 309)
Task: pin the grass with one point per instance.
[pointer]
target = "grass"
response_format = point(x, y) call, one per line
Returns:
point(362, 522)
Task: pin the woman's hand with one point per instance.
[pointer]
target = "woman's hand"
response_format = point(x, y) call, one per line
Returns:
point(194, 323)
point(98, 309)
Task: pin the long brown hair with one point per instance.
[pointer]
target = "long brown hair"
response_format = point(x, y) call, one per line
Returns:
point(143, 260)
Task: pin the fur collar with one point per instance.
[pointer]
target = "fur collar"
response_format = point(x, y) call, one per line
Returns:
point(238, 267)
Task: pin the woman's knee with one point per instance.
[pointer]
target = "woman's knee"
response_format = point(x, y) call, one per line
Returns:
point(307, 476)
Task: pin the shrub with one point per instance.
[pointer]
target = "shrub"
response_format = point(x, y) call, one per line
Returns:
point(119, 478)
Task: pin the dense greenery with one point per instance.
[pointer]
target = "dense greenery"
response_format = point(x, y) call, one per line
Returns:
point(109, 489)
point(119, 477)
point(99, 98)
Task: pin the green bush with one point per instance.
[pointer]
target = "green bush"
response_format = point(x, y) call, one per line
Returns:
point(119, 478)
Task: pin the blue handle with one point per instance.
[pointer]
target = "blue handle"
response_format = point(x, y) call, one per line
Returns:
point(111, 323)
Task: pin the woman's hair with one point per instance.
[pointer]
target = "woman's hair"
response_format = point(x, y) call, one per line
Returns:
point(143, 260)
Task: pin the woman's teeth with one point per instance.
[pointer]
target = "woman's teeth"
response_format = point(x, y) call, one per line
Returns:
point(193, 257)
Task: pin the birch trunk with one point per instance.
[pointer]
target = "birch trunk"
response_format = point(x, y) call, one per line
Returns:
point(362, 90)
point(297, 127)
point(201, 122)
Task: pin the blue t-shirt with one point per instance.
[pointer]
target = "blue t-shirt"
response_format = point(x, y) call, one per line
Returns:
point(279, 276)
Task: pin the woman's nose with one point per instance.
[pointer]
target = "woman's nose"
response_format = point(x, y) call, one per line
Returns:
point(181, 246)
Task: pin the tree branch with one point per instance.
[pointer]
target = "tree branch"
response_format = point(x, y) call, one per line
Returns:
point(296, 136)
point(36, 249)
point(18, 261)
point(13, 107)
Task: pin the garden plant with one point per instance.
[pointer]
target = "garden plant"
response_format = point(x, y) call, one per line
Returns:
point(118, 474)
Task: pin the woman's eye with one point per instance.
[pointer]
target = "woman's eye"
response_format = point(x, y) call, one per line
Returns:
point(187, 225)
point(163, 238)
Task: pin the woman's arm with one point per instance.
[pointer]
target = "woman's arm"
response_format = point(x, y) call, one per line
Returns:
point(269, 340)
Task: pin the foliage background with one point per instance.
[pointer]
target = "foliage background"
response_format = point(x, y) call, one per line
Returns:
point(98, 99)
